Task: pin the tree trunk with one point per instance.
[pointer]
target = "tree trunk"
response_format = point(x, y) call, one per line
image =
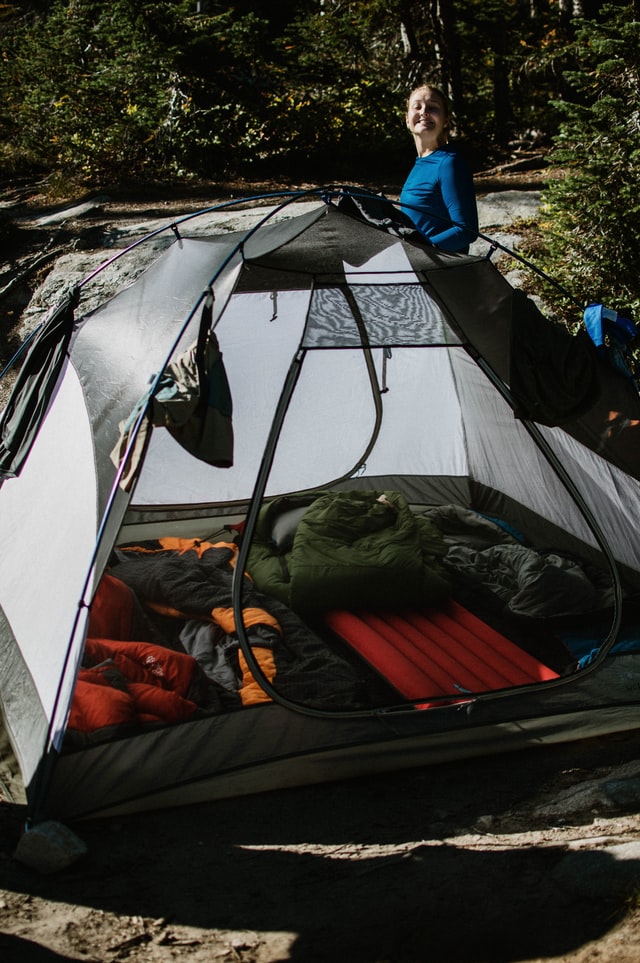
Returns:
point(414, 55)
point(502, 107)
point(407, 32)
point(570, 10)
point(447, 52)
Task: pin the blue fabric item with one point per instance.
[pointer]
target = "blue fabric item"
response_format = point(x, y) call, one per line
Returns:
point(585, 643)
point(439, 197)
point(600, 321)
point(630, 647)
point(611, 336)
point(516, 533)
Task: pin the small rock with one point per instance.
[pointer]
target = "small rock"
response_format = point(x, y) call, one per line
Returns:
point(616, 792)
point(483, 824)
point(49, 847)
point(610, 872)
point(624, 793)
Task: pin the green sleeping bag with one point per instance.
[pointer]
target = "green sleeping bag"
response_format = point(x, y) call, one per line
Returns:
point(349, 549)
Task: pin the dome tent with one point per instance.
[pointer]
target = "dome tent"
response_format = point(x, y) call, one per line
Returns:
point(358, 360)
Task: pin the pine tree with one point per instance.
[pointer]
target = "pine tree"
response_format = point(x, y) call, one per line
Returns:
point(592, 211)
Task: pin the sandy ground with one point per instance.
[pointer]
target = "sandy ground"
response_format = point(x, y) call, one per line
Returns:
point(522, 857)
point(525, 857)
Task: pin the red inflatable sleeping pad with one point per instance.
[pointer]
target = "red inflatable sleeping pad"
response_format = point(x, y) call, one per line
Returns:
point(437, 652)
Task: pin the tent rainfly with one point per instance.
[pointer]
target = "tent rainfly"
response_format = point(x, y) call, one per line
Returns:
point(306, 502)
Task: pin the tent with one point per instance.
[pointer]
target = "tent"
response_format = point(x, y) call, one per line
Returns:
point(304, 502)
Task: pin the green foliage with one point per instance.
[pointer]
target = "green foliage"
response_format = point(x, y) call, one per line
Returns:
point(112, 89)
point(334, 104)
point(592, 212)
point(125, 89)
point(90, 88)
point(106, 90)
point(225, 66)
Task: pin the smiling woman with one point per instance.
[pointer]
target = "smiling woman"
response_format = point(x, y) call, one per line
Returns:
point(438, 194)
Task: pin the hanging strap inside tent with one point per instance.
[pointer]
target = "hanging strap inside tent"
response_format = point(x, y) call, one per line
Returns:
point(612, 335)
point(386, 355)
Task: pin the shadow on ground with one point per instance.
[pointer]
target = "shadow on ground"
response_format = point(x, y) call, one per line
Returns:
point(392, 868)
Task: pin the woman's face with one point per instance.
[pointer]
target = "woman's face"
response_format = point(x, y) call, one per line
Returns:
point(427, 116)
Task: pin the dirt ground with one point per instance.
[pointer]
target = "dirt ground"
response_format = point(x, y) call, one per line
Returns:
point(523, 857)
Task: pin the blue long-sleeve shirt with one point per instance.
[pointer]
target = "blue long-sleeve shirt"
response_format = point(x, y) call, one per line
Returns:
point(439, 197)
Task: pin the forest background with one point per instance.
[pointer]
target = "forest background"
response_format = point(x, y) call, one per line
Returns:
point(101, 92)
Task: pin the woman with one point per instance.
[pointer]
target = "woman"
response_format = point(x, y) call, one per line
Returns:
point(438, 194)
